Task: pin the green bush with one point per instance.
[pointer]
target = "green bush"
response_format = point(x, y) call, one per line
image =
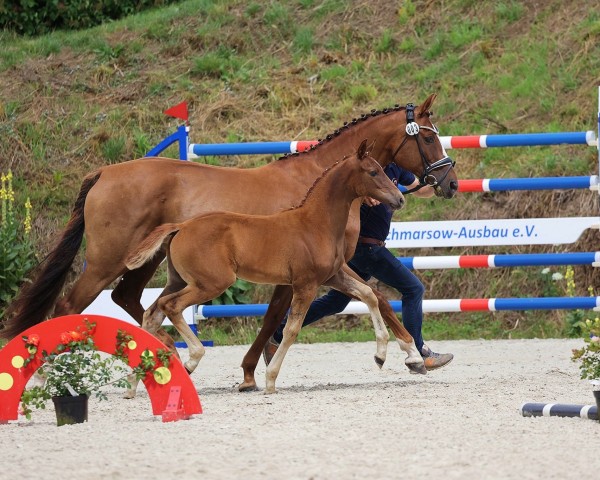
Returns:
point(36, 17)
point(16, 249)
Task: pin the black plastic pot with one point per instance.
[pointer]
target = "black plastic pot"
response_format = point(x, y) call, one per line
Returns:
point(71, 410)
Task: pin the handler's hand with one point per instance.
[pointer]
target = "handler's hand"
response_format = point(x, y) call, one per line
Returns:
point(371, 202)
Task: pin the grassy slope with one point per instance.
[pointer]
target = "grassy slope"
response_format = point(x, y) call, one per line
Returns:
point(297, 70)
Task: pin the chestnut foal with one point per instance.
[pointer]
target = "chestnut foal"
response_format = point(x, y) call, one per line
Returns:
point(303, 247)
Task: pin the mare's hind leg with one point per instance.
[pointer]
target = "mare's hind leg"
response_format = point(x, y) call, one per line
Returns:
point(87, 287)
point(280, 303)
point(300, 302)
point(128, 292)
point(352, 286)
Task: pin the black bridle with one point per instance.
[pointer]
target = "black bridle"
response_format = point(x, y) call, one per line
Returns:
point(412, 131)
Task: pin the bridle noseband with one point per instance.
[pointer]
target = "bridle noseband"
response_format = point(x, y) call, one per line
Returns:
point(412, 131)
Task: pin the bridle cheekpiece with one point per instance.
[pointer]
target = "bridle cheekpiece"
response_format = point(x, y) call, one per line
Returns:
point(412, 131)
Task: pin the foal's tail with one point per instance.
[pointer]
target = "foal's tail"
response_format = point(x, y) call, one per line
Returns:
point(150, 245)
point(36, 300)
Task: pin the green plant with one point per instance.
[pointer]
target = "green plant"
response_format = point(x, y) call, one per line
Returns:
point(589, 355)
point(304, 39)
point(237, 293)
point(114, 149)
point(363, 93)
point(33, 18)
point(76, 367)
point(385, 43)
point(575, 318)
point(406, 11)
point(16, 248)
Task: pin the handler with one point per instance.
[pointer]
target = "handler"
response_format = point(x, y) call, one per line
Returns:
point(372, 259)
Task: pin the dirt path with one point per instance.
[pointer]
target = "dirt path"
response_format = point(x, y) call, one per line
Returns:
point(335, 417)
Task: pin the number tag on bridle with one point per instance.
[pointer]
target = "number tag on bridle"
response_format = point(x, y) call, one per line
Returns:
point(412, 128)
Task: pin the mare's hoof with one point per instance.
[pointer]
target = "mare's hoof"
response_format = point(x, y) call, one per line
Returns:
point(128, 395)
point(248, 387)
point(417, 368)
point(379, 361)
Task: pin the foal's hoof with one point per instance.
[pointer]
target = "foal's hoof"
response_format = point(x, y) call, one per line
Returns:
point(248, 387)
point(378, 361)
point(417, 368)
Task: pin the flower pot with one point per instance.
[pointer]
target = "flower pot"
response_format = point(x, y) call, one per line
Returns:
point(597, 397)
point(70, 410)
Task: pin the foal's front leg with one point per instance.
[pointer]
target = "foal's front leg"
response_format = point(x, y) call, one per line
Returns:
point(346, 282)
point(301, 300)
point(413, 361)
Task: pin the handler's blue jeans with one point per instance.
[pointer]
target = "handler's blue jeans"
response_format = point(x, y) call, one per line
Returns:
point(373, 261)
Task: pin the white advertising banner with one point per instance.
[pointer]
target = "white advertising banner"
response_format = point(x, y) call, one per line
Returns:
point(458, 233)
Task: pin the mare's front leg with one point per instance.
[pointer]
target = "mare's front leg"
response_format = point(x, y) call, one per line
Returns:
point(302, 297)
point(278, 307)
point(346, 281)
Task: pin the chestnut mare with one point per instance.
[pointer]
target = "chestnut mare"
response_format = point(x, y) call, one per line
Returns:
point(303, 247)
point(119, 205)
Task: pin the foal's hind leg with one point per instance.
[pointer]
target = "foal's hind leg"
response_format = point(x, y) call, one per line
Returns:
point(347, 282)
point(280, 303)
point(174, 304)
point(153, 318)
point(128, 292)
point(300, 302)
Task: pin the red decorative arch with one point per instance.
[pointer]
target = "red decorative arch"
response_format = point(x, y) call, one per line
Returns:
point(14, 377)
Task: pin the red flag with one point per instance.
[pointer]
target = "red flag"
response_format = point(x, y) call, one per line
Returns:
point(178, 111)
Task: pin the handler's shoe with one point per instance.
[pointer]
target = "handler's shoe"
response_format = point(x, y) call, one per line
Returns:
point(269, 350)
point(435, 360)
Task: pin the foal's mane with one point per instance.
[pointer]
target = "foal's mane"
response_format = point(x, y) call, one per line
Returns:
point(319, 178)
point(349, 125)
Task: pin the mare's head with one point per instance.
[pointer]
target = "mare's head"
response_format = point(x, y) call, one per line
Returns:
point(373, 182)
point(417, 147)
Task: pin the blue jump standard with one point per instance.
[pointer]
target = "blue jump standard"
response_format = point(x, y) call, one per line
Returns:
point(559, 410)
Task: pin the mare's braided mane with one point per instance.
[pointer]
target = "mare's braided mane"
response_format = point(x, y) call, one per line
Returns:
point(346, 126)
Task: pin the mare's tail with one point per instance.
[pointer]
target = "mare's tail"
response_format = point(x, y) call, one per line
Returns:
point(36, 300)
point(150, 245)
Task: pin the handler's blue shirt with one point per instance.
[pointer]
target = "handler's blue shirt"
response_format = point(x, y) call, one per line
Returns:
point(375, 221)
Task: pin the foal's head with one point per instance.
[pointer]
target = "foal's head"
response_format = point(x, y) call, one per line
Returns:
point(418, 149)
point(373, 182)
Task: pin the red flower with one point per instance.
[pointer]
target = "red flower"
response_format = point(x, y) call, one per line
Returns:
point(33, 339)
point(76, 336)
point(65, 338)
